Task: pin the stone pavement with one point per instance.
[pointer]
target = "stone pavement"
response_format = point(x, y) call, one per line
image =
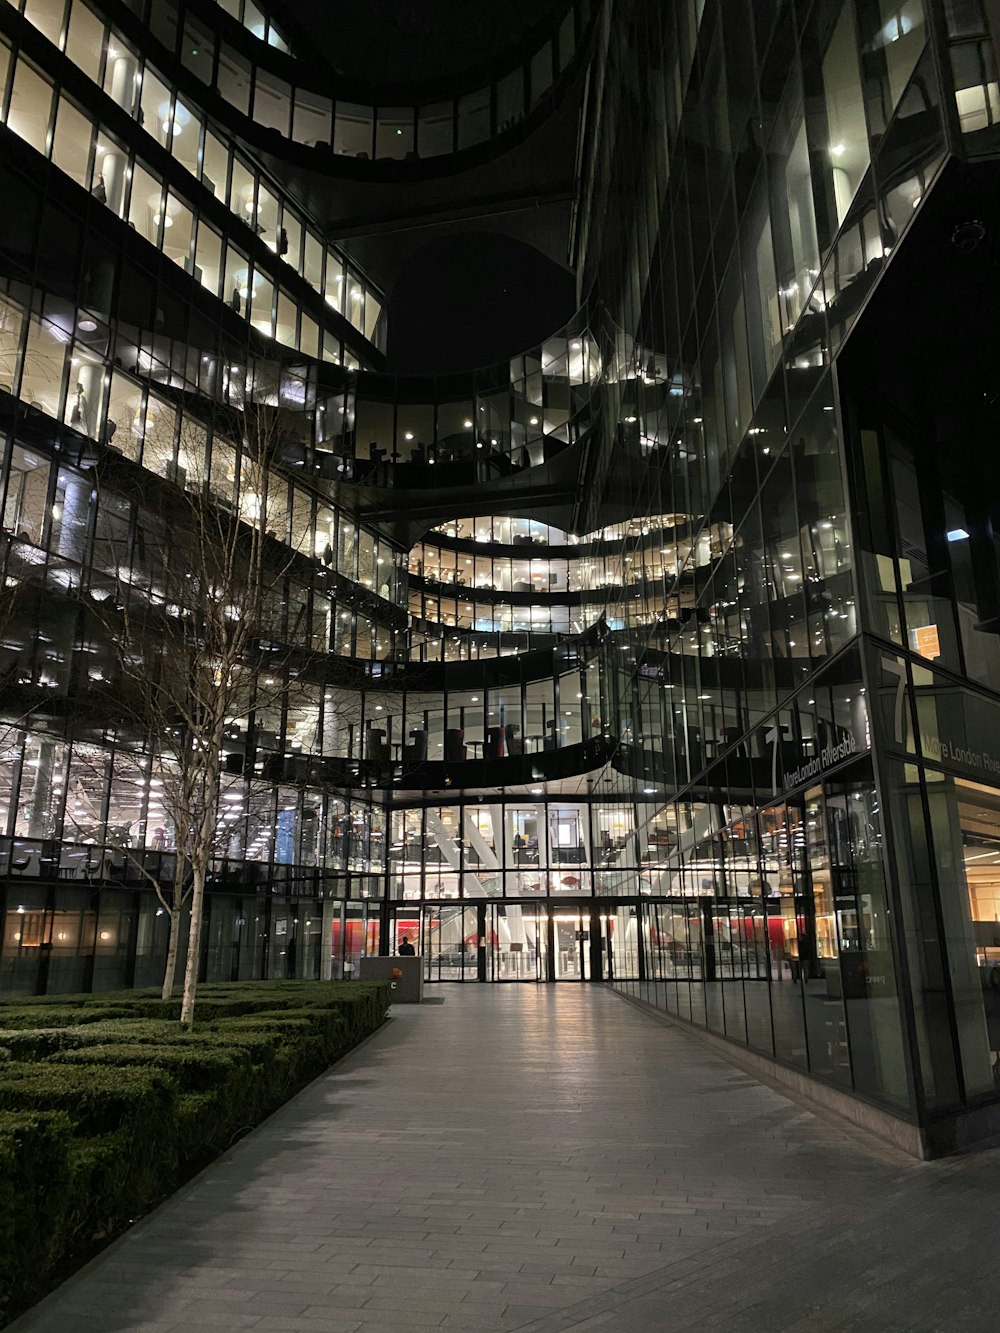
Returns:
point(546, 1159)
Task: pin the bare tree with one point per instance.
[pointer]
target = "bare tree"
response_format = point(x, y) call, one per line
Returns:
point(200, 630)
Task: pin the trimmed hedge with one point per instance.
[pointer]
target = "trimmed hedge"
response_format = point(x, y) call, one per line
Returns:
point(107, 1104)
point(196, 1068)
point(97, 1100)
point(34, 1171)
point(61, 1015)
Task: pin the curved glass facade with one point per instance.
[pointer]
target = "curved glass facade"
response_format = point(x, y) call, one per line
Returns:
point(124, 171)
point(274, 91)
point(662, 653)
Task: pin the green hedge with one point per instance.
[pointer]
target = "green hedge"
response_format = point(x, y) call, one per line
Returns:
point(97, 1100)
point(195, 1066)
point(106, 1103)
point(60, 1015)
point(35, 1149)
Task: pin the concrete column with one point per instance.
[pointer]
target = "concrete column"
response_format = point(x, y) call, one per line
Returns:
point(90, 378)
point(75, 517)
point(123, 83)
point(111, 169)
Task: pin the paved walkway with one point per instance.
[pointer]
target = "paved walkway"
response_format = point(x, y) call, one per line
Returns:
point(547, 1159)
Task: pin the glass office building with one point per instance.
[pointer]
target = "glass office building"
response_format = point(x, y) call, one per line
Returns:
point(663, 653)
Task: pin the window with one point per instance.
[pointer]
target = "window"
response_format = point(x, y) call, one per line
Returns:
point(71, 142)
point(312, 119)
point(208, 258)
point(436, 129)
point(352, 132)
point(156, 107)
point(145, 212)
point(47, 16)
point(272, 103)
point(847, 135)
point(85, 40)
point(30, 105)
point(27, 493)
point(215, 166)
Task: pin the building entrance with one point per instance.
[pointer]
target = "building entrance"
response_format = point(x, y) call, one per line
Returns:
point(509, 941)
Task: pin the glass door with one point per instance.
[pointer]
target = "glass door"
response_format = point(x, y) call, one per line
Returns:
point(570, 944)
point(519, 942)
point(620, 930)
point(450, 943)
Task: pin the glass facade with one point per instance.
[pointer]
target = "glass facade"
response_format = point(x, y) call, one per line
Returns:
point(662, 654)
point(824, 898)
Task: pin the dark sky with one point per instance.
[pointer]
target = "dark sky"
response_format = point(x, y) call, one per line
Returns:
point(407, 41)
point(466, 301)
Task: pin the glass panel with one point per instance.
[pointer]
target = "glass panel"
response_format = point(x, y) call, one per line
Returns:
point(312, 120)
point(30, 103)
point(847, 133)
point(394, 133)
point(473, 118)
point(571, 944)
point(85, 42)
point(272, 103)
point(215, 166)
point(207, 267)
point(541, 73)
point(352, 131)
point(71, 142)
point(436, 129)
point(900, 39)
point(510, 99)
point(47, 16)
point(145, 213)
point(156, 107)
point(234, 79)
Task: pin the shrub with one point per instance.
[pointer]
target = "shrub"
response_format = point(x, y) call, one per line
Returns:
point(34, 1164)
point(98, 1100)
point(111, 1101)
point(201, 1120)
point(53, 1016)
point(197, 1066)
point(111, 1178)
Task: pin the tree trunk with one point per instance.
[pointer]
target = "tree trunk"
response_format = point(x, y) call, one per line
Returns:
point(199, 859)
point(194, 945)
point(170, 971)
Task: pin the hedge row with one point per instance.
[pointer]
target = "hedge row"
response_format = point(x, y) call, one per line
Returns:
point(107, 1104)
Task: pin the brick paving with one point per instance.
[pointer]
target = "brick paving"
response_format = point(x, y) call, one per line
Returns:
point(547, 1159)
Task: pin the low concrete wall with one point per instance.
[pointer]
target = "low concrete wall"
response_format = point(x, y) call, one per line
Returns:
point(405, 974)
